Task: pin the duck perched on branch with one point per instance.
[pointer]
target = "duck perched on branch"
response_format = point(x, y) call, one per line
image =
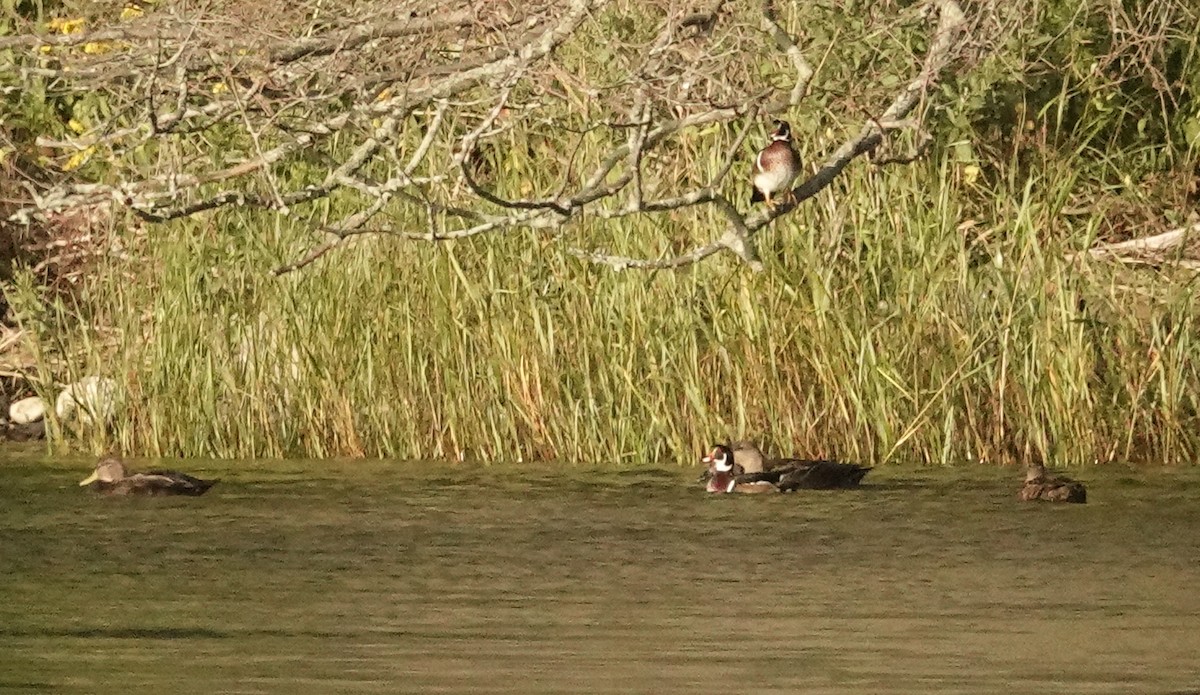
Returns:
point(1039, 486)
point(775, 166)
point(111, 478)
point(741, 467)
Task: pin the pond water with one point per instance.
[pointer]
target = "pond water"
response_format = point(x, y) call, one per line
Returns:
point(377, 577)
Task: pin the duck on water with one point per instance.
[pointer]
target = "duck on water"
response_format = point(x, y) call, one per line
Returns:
point(741, 467)
point(111, 478)
point(1049, 488)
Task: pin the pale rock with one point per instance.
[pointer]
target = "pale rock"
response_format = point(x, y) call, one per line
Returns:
point(91, 399)
point(27, 410)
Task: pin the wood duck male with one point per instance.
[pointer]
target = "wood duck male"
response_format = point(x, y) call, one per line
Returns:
point(726, 476)
point(776, 165)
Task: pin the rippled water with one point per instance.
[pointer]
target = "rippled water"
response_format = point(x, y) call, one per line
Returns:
point(382, 578)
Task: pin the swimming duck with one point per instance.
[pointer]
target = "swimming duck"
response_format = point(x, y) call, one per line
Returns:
point(795, 474)
point(741, 465)
point(1039, 486)
point(776, 165)
point(724, 475)
point(111, 478)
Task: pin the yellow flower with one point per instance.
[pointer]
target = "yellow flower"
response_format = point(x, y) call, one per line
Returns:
point(67, 26)
point(219, 88)
point(97, 48)
point(46, 49)
point(970, 174)
point(131, 12)
point(76, 126)
point(79, 158)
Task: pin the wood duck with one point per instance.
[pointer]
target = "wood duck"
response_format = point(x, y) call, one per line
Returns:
point(110, 478)
point(724, 475)
point(776, 165)
point(741, 467)
point(1039, 486)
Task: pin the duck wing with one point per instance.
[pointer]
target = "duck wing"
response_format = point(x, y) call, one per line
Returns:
point(819, 475)
point(1054, 490)
point(169, 483)
point(769, 476)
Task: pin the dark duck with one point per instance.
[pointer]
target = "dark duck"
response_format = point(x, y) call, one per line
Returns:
point(111, 478)
point(741, 467)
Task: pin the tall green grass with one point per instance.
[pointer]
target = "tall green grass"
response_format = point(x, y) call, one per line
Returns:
point(928, 313)
point(876, 333)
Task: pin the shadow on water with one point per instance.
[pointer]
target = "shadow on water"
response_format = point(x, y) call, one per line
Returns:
point(374, 577)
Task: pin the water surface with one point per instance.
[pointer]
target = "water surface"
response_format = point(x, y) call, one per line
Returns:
point(384, 577)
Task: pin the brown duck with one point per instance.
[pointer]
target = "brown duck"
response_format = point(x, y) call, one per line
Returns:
point(1039, 486)
point(740, 467)
point(110, 478)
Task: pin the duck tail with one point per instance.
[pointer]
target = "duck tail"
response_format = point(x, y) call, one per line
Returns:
point(203, 486)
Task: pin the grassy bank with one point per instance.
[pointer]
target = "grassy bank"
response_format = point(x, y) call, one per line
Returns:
point(874, 333)
point(934, 312)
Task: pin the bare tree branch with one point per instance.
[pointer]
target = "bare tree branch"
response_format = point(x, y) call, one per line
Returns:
point(386, 102)
point(1155, 250)
point(804, 71)
point(357, 37)
point(951, 23)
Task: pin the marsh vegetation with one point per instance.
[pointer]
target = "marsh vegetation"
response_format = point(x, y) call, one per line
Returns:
point(983, 297)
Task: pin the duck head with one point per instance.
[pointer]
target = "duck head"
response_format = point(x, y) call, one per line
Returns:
point(1034, 470)
point(108, 470)
point(782, 132)
point(720, 468)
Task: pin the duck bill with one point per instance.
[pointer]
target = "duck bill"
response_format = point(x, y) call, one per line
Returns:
point(90, 479)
